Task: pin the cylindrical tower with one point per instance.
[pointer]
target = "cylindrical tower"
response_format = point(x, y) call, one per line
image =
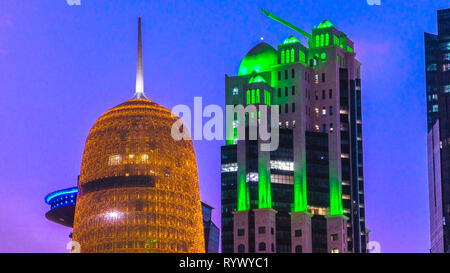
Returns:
point(138, 187)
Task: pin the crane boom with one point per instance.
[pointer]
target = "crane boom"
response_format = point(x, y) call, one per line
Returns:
point(289, 25)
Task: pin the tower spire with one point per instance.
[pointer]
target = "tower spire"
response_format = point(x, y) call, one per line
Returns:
point(140, 69)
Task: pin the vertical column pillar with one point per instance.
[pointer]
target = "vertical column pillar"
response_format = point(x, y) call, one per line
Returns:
point(240, 231)
point(299, 151)
point(265, 230)
point(337, 234)
point(301, 234)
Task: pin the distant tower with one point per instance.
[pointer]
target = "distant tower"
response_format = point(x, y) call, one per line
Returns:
point(437, 69)
point(138, 187)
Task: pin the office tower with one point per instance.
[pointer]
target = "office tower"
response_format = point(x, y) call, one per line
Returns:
point(211, 231)
point(437, 66)
point(307, 195)
point(138, 186)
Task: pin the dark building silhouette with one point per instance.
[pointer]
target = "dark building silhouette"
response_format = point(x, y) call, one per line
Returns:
point(437, 69)
point(211, 231)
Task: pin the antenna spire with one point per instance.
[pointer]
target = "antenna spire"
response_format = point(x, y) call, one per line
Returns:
point(140, 69)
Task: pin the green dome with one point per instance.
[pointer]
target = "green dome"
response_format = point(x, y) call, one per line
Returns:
point(325, 24)
point(256, 79)
point(291, 40)
point(259, 59)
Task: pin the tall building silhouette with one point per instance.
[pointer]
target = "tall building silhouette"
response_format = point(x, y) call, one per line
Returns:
point(308, 195)
point(437, 69)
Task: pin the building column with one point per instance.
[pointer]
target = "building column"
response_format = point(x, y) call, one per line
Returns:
point(265, 230)
point(337, 234)
point(240, 231)
point(301, 234)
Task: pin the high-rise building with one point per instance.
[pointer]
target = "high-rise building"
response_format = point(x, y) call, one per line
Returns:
point(307, 195)
point(437, 66)
point(211, 231)
point(138, 186)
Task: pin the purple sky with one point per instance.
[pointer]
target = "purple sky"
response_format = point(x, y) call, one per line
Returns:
point(62, 66)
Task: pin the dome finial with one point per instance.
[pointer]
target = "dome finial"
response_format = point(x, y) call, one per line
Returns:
point(140, 69)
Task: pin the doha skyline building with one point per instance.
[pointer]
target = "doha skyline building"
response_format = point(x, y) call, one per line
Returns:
point(138, 188)
point(308, 195)
point(437, 66)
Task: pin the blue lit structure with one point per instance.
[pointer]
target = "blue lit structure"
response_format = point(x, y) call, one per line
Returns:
point(62, 206)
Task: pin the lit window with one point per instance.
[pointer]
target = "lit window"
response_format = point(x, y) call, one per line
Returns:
point(114, 160)
point(252, 177)
point(235, 91)
point(446, 67)
point(335, 250)
point(282, 179)
point(144, 158)
point(228, 168)
point(324, 112)
point(282, 165)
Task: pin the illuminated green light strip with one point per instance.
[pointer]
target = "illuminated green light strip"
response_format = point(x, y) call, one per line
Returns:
point(300, 193)
point(336, 207)
point(264, 189)
point(289, 25)
point(243, 194)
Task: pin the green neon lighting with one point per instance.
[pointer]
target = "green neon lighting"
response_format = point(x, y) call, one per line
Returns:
point(349, 49)
point(289, 25)
point(323, 57)
point(325, 24)
point(335, 40)
point(260, 58)
point(253, 96)
point(256, 79)
point(283, 56)
point(302, 56)
point(243, 202)
point(292, 55)
point(300, 193)
point(291, 40)
point(264, 189)
point(322, 40)
point(327, 39)
point(336, 207)
point(317, 40)
point(287, 56)
point(343, 42)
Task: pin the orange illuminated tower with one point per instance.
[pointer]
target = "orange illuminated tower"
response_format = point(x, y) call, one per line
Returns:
point(138, 187)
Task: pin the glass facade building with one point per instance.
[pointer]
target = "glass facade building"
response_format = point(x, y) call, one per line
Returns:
point(437, 69)
point(211, 231)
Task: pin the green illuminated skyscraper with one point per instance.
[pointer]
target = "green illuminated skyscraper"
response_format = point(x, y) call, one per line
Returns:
point(307, 195)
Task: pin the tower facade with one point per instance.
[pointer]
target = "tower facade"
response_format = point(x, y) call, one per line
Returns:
point(437, 69)
point(307, 195)
point(138, 187)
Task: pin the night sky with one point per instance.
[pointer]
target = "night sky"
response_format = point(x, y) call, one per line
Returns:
point(62, 66)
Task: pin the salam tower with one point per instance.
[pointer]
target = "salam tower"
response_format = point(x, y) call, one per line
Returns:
point(138, 187)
